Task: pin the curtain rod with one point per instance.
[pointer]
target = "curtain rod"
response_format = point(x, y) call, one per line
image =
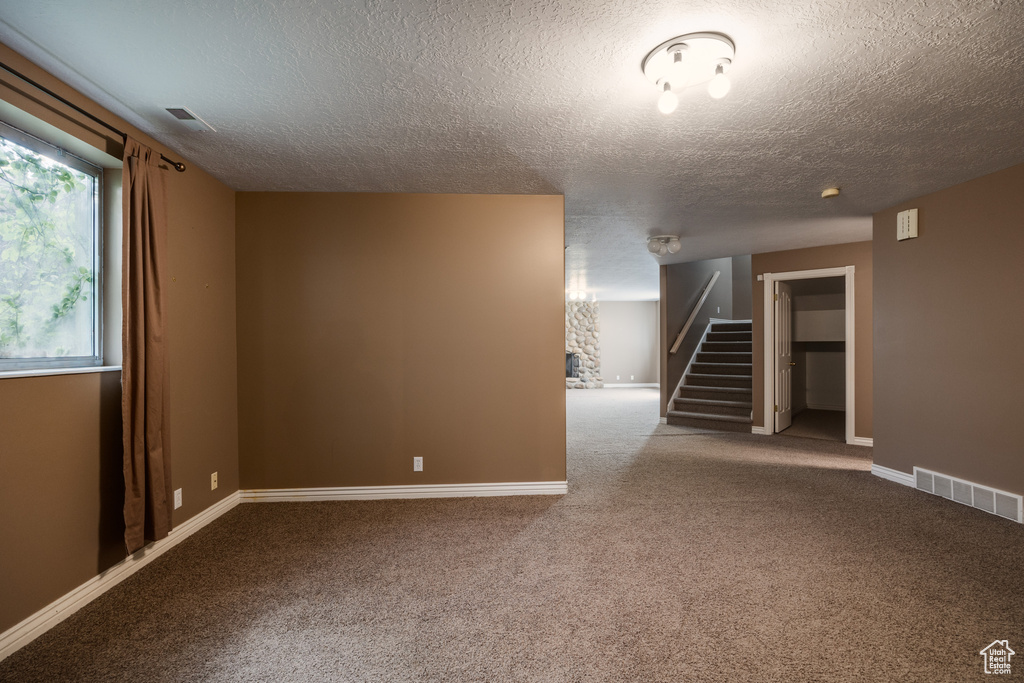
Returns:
point(178, 166)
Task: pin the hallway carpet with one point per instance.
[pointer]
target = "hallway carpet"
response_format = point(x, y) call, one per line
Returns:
point(676, 556)
point(819, 424)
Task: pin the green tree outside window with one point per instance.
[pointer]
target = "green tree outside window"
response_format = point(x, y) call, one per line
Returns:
point(47, 257)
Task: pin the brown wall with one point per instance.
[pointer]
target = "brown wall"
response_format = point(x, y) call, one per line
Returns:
point(378, 327)
point(204, 359)
point(948, 331)
point(60, 467)
point(60, 498)
point(857, 254)
point(742, 306)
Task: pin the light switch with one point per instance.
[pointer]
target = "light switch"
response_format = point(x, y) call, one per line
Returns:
point(906, 224)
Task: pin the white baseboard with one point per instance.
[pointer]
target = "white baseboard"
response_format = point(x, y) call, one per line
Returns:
point(627, 385)
point(893, 475)
point(663, 420)
point(863, 441)
point(760, 430)
point(533, 488)
point(34, 626)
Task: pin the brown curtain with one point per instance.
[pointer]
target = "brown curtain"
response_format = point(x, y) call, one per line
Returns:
point(145, 397)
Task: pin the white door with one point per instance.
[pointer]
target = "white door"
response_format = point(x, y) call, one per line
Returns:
point(783, 356)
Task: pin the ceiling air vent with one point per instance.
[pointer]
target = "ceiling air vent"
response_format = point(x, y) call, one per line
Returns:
point(191, 121)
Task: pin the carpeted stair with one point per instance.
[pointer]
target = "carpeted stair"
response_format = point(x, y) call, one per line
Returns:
point(716, 389)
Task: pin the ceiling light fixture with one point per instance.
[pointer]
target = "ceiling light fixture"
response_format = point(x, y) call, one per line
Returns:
point(830, 192)
point(688, 60)
point(659, 245)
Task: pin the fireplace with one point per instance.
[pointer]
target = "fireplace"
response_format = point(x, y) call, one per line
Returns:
point(572, 364)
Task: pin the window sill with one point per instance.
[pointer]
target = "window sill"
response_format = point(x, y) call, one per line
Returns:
point(43, 372)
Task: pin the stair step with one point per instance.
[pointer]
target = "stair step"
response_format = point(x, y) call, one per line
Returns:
point(704, 356)
point(722, 368)
point(713, 402)
point(701, 421)
point(708, 416)
point(726, 346)
point(712, 407)
point(706, 380)
point(716, 393)
point(730, 336)
point(734, 326)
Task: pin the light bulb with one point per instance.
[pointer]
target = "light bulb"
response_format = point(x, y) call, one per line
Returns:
point(662, 249)
point(668, 101)
point(674, 245)
point(719, 85)
point(653, 246)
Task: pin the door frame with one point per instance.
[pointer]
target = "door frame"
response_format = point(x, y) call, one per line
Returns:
point(770, 279)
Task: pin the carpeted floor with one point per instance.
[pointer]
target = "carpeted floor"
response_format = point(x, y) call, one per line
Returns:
point(678, 555)
point(809, 423)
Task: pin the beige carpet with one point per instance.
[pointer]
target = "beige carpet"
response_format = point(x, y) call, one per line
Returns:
point(676, 556)
point(819, 424)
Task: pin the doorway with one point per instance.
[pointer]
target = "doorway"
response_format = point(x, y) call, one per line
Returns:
point(818, 354)
point(809, 364)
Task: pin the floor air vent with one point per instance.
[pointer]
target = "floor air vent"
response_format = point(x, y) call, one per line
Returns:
point(999, 503)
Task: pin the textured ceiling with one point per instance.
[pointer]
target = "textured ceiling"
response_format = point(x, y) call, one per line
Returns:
point(887, 100)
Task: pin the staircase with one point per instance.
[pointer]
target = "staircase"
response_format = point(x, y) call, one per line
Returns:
point(715, 392)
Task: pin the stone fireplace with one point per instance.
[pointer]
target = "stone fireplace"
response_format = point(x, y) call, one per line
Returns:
point(583, 338)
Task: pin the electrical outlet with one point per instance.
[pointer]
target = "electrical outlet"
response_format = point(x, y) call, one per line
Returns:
point(213, 481)
point(177, 498)
point(417, 464)
point(631, 377)
point(616, 378)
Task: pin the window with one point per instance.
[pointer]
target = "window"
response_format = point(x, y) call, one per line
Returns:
point(50, 255)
